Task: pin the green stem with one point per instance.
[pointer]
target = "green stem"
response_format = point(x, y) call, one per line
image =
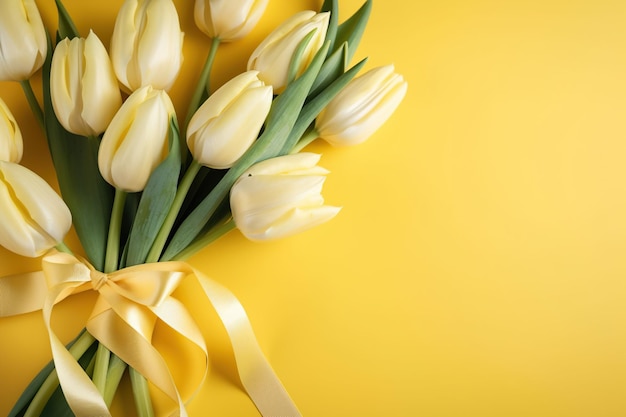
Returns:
point(308, 137)
point(33, 103)
point(181, 193)
point(208, 238)
point(115, 226)
point(103, 355)
point(141, 394)
point(62, 247)
point(52, 382)
point(203, 84)
point(114, 376)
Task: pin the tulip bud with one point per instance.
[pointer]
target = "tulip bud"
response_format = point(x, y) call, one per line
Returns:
point(229, 121)
point(280, 196)
point(33, 218)
point(273, 56)
point(84, 91)
point(11, 146)
point(228, 20)
point(136, 141)
point(147, 44)
point(23, 43)
point(361, 107)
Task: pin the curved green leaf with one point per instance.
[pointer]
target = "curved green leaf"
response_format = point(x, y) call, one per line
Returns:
point(352, 29)
point(156, 201)
point(85, 192)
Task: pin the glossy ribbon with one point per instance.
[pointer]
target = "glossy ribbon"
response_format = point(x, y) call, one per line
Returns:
point(130, 302)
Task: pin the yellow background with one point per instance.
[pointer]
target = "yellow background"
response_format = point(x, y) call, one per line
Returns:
point(477, 267)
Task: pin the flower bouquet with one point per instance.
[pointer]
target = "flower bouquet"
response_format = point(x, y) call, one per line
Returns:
point(145, 189)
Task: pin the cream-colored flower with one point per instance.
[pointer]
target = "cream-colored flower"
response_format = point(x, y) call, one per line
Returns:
point(280, 197)
point(23, 43)
point(361, 107)
point(136, 141)
point(228, 20)
point(273, 56)
point(84, 91)
point(11, 145)
point(229, 121)
point(147, 44)
point(33, 218)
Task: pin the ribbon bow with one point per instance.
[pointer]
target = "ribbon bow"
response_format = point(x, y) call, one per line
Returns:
point(129, 304)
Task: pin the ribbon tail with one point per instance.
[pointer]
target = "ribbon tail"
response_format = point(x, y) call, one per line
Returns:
point(256, 375)
point(80, 392)
point(22, 293)
point(134, 349)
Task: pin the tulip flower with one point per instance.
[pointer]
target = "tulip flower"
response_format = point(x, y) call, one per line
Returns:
point(280, 196)
point(229, 121)
point(361, 107)
point(147, 44)
point(23, 43)
point(11, 146)
point(273, 56)
point(228, 20)
point(83, 87)
point(136, 141)
point(33, 218)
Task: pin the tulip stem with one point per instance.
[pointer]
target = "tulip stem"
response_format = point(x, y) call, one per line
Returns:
point(103, 354)
point(62, 247)
point(113, 243)
point(168, 223)
point(114, 376)
point(306, 139)
point(33, 103)
point(141, 394)
point(203, 83)
point(103, 357)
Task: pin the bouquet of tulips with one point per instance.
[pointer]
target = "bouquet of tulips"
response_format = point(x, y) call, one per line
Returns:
point(145, 190)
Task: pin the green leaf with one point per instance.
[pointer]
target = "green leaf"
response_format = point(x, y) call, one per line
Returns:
point(333, 67)
point(314, 107)
point(280, 121)
point(296, 58)
point(67, 28)
point(156, 201)
point(331, 6)
point(85, 192)
point(352, 29)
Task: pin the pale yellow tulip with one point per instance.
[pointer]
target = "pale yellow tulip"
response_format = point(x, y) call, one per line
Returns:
point(280, 197)
point(23, 43)
point(147, 44)
point(84, 91)
point(228, 20)
point(229, 121)
point(136, 141)
point(33, 218)
point(361, 107)
point(273, 55)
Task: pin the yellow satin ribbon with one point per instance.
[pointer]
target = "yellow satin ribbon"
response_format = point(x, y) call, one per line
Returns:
point(130, 302)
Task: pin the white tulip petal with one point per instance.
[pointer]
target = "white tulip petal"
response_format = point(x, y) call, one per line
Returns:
point(11, 143)
point(34, 217)
point(23, 42)
point(362, 107)
point(271, 200)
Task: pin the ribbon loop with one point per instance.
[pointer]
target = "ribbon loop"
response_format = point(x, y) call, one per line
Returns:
point(131, 301)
